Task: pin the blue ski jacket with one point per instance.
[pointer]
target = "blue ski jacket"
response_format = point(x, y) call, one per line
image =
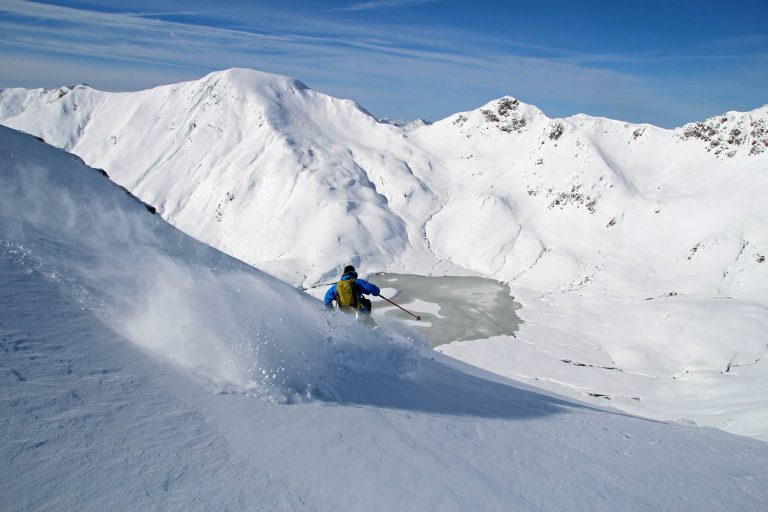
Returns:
point(361, 286)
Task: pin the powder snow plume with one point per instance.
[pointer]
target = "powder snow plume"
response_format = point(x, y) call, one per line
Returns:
point(239, 328)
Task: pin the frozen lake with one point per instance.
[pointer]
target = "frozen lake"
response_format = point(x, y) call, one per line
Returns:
point(451, 308)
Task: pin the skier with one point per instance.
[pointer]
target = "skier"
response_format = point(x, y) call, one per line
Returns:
point(348, 292)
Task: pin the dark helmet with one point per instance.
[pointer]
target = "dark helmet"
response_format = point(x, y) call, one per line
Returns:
point(350, 270)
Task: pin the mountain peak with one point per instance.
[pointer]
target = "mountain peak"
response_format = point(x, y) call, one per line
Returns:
point(509, 104)
point(281, 92)
point(406, 125)
point(251, 78)
point(729, 133)
point(507, 113)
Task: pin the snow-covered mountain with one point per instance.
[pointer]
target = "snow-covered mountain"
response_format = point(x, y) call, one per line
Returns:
point(143, 370)
point(638, 253)
point(254, 164)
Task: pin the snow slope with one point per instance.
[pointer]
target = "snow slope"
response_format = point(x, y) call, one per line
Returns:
point(144, 370)
point(638, 253)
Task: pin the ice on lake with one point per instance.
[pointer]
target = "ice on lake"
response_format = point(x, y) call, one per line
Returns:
point(451, 308)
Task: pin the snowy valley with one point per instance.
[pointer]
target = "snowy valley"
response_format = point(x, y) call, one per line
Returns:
point(636, 253)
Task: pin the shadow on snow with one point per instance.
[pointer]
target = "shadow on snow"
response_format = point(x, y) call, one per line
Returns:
point(437, 388)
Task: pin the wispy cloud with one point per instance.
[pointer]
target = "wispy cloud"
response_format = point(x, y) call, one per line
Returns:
point(398, 71)
point(384, 4)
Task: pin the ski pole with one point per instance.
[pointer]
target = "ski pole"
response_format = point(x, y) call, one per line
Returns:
point(317, 285)
point(399, 306)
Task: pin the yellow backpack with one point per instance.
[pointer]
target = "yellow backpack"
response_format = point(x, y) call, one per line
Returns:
point(347, 294)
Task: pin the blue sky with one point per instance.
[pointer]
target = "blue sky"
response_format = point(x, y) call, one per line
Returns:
point(661, 62)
